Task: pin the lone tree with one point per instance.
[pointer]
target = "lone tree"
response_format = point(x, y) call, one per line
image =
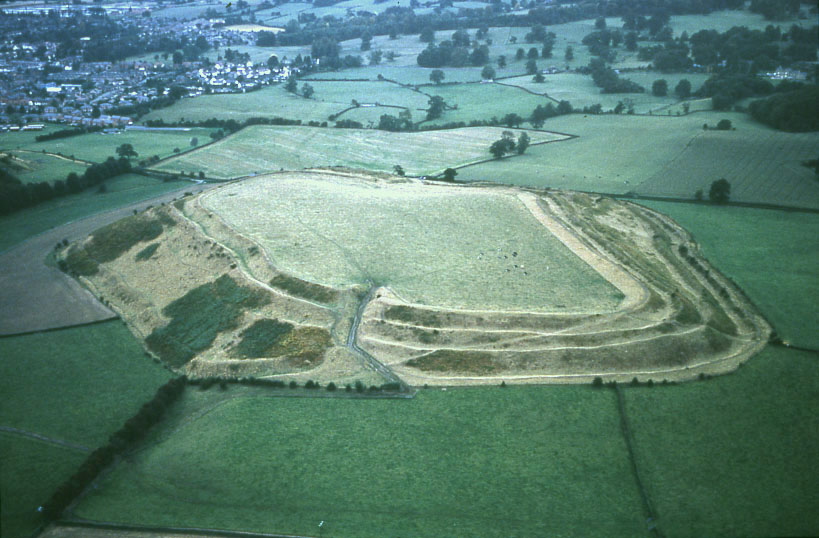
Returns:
point(488, 73)
point(127, 151)
point(501, 61)
point(569, 53)
point(531, 67)
point(307, 91)
point(436, 76)
point(449, 174)
point(436, 107)
point(724, 125)
point(291, 85)
point(505, 144)
point(720, 191)
point(660, 87)
point(427, 35)
point(683, 88)
point(523, 143)
point(398, 169)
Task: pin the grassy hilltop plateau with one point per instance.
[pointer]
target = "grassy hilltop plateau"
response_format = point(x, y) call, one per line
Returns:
point(374, 268)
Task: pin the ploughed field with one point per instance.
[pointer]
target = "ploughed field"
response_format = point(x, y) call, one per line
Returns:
point(280, 275)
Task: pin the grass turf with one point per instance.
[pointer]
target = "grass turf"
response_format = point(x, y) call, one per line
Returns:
point(260, 149)
point(78, 384)
point(771, 254)
point(517, 461)
point(30, 470)
point(497, 255)
point(735, 455)
point(121, 191)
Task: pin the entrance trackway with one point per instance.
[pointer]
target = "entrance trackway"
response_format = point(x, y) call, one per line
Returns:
point(36, 297)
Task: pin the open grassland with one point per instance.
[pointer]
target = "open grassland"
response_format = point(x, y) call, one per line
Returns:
point(121, 191)
point(483, 101)
point(763, 165)
point(33, 167)
point(733, 456)
point(100, 369)
point(30, 471)
point(661, 156)
point(492, 462)
point(497, 254)
point(261, 149)
point(21, 139)
point(771, 254)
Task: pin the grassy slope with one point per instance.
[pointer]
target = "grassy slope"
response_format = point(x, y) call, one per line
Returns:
point(496, 254)
point(739, 455)
point(484, 462)
point(772, 255)
point(265, 149)
point(30, 471)
point(41, 167)
point(100, 369)
point(122, 191)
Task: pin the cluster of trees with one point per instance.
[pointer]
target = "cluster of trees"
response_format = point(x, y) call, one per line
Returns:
point(66, 133)
point(15, 195)
point(610, 82)
point(132, 431)
point(726, 89)
point(682, 89)
point(447, 53)
point(775, 9)
point(795, 111)
point(506, 144)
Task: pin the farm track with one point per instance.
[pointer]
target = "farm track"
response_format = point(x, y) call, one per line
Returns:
point(38, 297)
point(44, 438)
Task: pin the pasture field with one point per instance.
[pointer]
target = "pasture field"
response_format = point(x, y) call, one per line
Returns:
point(100, 369)
point(77, 385)
point(656, 156)
point(497, 254)
point(21, 139)
point(259, 149)
point(514, 461)
point(34, 167)
point(30, 471)
point(385, 93)
point(733, 456)
point(259, 54)
point(484, 101)
point(121, 191)
point(762, 164)
point(772, 255)
point(268, 102)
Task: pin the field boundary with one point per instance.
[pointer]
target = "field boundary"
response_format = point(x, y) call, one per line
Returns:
point(44, 438)
point(628, 438)
point(103, 525)
point(527, 90)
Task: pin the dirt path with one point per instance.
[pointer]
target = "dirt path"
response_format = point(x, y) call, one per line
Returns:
point(45, 439)
point(37, 297)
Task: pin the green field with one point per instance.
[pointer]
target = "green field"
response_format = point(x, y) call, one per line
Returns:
point(733, 456)
point(486, 462)
point(441, 246)
point(772, 255)
point(33, 167)
point(30, 471)
point(97, 147)
point(483, 101)
point(121, 191)
point(261, 149)
point(656, 156)
point(77, 385)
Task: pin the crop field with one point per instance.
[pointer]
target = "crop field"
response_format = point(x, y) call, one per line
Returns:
point(75, 385)
point(763, 165)
point(30, 471)
point(121, 191)
point(771, 254)
point(259, 149)
point(33, 167)
point(738, 458)
point(382, 233)
point(486, 462)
